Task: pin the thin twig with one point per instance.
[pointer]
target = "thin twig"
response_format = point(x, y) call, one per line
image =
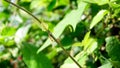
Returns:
point(47, 30)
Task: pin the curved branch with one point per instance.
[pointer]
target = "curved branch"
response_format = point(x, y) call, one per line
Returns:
point(47, 30)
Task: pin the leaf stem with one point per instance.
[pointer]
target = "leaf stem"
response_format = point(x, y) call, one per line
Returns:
point(47, 30)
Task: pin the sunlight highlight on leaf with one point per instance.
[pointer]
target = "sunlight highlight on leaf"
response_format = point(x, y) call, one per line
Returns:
point(21, 33)
point(98, 18)
point(72, 18)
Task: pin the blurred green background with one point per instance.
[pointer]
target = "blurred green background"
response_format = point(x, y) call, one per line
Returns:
point(89, 30)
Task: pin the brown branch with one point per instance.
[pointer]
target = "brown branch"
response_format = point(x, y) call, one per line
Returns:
point(47, 30)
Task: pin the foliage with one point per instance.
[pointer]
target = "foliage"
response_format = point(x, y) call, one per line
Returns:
point(89, 30)
point(32, 59)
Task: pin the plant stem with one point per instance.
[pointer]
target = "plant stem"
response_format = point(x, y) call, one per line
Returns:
point(47, 30)
point(59, 43)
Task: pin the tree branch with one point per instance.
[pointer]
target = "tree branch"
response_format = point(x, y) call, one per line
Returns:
point(47, 30)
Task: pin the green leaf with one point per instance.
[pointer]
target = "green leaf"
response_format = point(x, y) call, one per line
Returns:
point(8, 31)
point(7, 35)
point(34, 60)
point(3, 15)
point(5, 4)
point(25, 0)
point(116, 64)
point(52, 54)
point(116, 8)
point(114, 5)
point(99, 2)
point(113, 48)
point(72, 18)
point(69, 64)
point(81, 59)
point(85, 40)
point(51, 5)
point(90, 44)
point(98, 18)
point(7, 40)
point(39, 3)
point(107, 65)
